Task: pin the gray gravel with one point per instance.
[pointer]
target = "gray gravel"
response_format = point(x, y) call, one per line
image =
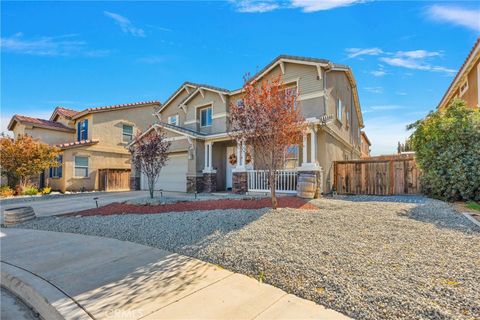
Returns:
point(369, 260)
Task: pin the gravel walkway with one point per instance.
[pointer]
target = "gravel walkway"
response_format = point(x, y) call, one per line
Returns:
point(369, 260)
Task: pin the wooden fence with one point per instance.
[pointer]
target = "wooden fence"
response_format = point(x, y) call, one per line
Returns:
point(114, 179)
point(393, 176)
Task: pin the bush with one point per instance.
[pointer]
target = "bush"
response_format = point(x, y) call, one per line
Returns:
point(6, 191)
point(46, 190)
point(30, 191)
point(447, 148)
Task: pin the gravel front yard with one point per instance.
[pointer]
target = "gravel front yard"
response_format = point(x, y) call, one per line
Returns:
point(369, 260)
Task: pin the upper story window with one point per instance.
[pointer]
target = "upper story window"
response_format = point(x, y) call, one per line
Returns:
point(464, 88)
point(81, 167)
point(82, 130)
point(206, 117)
point(239, 103)
point(173, 120)
point(339, 110)
point(127, 132)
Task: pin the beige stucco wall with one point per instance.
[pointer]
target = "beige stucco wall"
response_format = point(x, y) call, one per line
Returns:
point(43, 135)
point(471, 95)
point(173, 108)
point(219, 109)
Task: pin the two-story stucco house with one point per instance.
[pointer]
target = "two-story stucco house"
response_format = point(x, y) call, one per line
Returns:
point(92, 143)
point(203, 157)
point(466, 84)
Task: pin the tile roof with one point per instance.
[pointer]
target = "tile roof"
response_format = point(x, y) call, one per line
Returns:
point(117, 106)
point(73, 144)
point(39, 123)
point(67, 113)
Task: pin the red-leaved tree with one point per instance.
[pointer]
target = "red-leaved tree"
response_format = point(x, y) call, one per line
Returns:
point(269, 121)
point(150, 155)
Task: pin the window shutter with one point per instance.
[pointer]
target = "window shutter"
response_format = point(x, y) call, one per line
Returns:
point(60, 160)
point(79, 128)
point(50, 172)
point(86, 129)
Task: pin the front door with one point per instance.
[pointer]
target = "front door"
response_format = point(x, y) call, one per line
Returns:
point(231, 154)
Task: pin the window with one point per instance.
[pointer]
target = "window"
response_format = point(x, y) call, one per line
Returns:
point(206, 117)
point(81, 167)
point(56, 172)
point(339, 110)
point(291, 92)
point(464, 88)
point(239, 103)
point(127, 132)
point(291, 157)
point(173, 120)
point(82, 130)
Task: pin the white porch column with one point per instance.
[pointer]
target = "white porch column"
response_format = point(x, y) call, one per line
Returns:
point(244, 151)
point(208, 157)
point(240, 157)
point(313, 146)
point(304, 149)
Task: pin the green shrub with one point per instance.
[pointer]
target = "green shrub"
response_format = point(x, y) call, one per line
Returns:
point(447, 147)
point(6, 191)
point(46, 190)
point(30, 191)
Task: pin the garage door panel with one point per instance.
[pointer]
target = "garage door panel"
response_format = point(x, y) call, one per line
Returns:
point(173, 177)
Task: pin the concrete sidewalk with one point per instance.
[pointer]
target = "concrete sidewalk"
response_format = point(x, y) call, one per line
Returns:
point(84, 277)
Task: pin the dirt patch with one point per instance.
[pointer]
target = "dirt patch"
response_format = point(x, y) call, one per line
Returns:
point(123, 208)
point(462, 207)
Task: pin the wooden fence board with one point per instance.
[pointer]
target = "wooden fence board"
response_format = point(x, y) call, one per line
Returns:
point(391, 176)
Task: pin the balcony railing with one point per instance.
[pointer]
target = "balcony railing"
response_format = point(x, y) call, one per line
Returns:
point(286, 181)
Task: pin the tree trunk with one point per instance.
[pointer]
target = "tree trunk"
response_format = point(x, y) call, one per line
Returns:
point(273, 195)
point(151, 184)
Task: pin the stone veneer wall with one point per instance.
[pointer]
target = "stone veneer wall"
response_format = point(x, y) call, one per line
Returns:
point(194, 183)
point(239, 182)
point(209, 182)
point(319, 175)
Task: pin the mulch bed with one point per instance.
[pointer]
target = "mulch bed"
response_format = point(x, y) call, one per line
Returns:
point(122, 208)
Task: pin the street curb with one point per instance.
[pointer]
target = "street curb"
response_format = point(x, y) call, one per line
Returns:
point(43, 297)
point(472, 219)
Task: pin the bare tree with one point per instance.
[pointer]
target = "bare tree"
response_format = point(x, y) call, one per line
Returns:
point(150, 155)
point(269, 121)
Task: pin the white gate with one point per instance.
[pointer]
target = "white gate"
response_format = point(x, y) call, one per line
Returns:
point(286, 181)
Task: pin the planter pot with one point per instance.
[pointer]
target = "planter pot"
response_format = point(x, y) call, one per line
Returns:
point(18, 215)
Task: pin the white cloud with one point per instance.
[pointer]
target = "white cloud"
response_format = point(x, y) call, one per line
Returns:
point(64, 45)
point(374, 89)
point(378, 73)
point(356, 52)
point(467, 18)
point(321, 5)
point(125, 24)
point(416, 64)
point(254, 6)
point(417, 54)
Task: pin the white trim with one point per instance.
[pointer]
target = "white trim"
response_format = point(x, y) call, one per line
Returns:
point(205, 104)
point(319, 72)
point(191, 122)
point(206, 125)
point(222, 96)
point(201, 92)
point(75, 166)
point(282, 67)
point(312, 95)
point(220, 115)
point(460, 91)
point(176, 120)
point(176, 138)
point(172, 98)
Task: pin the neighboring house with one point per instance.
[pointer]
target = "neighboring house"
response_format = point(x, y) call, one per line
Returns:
point(365, 146)
point(465, 85)
point(203, 157)
point(92, 142)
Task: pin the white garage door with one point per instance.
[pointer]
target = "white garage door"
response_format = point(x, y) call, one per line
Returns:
point(173, 177)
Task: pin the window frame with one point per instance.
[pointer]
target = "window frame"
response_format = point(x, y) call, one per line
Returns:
point(81, 167)
point(126, 134)
point(206, 109)
point(56, 172)
point(83, 130)
point(173, 117)
point(465, 86)
point(339, 110)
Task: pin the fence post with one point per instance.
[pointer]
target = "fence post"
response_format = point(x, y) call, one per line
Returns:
point(392, 177)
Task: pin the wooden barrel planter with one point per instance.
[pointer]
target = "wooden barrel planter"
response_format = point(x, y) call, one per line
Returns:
point(307, 186)
point(18, 215)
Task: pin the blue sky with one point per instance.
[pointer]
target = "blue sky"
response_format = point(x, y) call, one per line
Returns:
point(83, 54)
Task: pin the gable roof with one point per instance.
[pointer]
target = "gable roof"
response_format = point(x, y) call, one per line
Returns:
point(40, 123)
point(64, 112)
point(114, 107)
point(74, 144)
point(473, 55)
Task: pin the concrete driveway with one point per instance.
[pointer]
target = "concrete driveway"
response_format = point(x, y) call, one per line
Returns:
point(77, 202)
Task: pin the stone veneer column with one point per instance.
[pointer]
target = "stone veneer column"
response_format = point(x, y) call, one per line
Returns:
point(239, 182)
point(319, 174)
point(194, 184)
point(209, 181)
